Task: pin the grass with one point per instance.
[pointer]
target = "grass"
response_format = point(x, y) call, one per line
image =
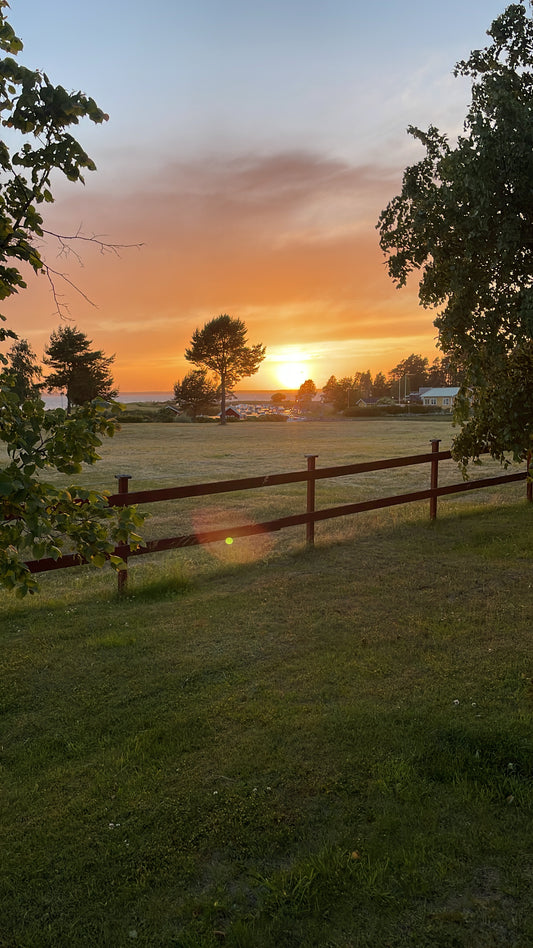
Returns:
point(327, 749)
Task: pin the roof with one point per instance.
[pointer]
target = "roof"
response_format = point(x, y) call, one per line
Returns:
point(440, 392)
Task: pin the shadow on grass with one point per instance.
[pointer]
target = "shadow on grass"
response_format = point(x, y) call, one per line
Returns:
point(488, 530)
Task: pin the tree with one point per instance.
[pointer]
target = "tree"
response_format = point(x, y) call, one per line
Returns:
point(443, 372)
point(196, 393)
point(339, 393)
point(306, 393)
point(362, 381)
point(80, 372)
point(408, 376)
point(330, 392)
point(38, 518)
point(464, 221)
point(380, 386)
point(22, 371)
point(220, 347)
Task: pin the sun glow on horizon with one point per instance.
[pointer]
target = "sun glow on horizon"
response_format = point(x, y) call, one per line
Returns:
point(291, 366)
point(291, 374)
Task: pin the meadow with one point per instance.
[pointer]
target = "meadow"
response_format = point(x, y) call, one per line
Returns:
point(262, 745)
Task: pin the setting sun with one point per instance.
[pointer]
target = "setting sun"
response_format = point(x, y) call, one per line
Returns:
point(290, 366)
point(291, 374)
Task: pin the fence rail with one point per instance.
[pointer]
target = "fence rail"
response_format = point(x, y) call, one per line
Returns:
point(310, 476)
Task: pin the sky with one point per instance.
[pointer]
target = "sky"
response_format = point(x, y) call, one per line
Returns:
point(249, 151)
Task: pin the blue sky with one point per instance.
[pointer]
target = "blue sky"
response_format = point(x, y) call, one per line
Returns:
point(247, 140)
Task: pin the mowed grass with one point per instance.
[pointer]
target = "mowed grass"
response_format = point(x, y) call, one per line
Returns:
point(277, 747)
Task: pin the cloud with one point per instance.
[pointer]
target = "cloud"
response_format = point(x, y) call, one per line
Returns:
point(286, 241)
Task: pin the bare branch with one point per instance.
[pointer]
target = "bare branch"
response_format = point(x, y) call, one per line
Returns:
point(64, 241)
point(62, 309)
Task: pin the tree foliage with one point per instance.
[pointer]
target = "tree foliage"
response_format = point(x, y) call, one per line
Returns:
point(409, 375)
point(37, 115)
point(221, 347)
point(338, 393)
point(22, 371)
point(306, 393)
point(464, 222)
point(39, 518)
point(196, 393)
point(80, 372)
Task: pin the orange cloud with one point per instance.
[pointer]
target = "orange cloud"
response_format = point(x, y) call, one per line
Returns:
point(287, 242)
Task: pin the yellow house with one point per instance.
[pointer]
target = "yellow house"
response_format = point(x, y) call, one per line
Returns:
point(440, 397)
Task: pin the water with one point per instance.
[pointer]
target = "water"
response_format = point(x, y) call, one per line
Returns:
point(59, 401)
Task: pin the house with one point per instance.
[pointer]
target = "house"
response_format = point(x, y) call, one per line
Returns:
point(232, 413)
point(367, 402)
point(440, 397)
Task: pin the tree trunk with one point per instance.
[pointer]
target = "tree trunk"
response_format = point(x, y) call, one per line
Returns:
point(222, 400)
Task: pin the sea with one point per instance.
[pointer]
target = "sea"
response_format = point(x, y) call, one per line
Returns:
point(59, 401)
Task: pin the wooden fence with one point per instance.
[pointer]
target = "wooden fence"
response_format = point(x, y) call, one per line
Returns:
point(310, 476)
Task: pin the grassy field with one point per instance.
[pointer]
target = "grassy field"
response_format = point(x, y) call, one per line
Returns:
point(265, 746)
point(162, 455)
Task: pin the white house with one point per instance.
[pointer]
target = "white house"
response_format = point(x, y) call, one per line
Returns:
point(440, 397)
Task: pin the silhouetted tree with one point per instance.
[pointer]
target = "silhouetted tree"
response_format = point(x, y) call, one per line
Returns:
point(221, 347)
point(380, 386)
point(23, 371)
point(306, 393)
point(80, 372)
point(409, 375)
point(196, 393)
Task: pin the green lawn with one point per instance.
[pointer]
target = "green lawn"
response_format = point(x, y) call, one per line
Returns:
point(276, 747)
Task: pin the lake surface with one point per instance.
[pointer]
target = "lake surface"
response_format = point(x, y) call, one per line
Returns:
point(59, 401)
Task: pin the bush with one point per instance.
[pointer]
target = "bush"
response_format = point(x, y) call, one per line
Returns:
point(164, 415)
point(273, 417)
point(134, 417)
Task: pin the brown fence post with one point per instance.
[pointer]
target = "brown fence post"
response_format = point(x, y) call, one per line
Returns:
point(310, 526)
point(435, 442)
point(122, 575)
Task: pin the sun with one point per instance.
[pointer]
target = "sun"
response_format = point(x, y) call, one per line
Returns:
point(292, 374)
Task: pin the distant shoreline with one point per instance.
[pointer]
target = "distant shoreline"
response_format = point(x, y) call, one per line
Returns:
point(261, 395)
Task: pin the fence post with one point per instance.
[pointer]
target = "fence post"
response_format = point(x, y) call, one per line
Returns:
point(310, 526)
point(435, 442)
point(122, 575)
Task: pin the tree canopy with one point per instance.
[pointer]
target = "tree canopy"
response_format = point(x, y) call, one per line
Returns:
point(82, 373)
point(195, 393)
point(37, 518)
point(221, 347)
point(464, 222)
point(22, 371)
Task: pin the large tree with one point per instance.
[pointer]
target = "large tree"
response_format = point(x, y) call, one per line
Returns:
point(80, 372)
point(221, 347)
point(195, 393)
point(40, 518)
point(464, 221)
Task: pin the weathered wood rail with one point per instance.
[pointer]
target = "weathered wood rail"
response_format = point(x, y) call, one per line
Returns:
point(310, 517)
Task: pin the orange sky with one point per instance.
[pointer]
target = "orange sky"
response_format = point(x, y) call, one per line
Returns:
point(287, 243)
point(250, 150)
